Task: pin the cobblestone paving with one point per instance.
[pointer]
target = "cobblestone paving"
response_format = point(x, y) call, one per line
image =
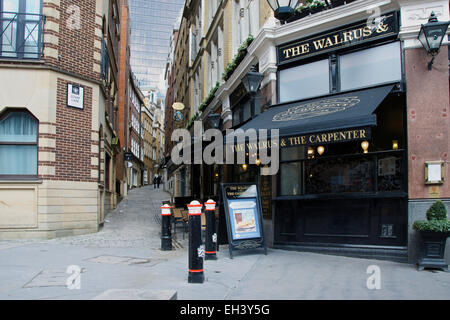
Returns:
point(135, 223)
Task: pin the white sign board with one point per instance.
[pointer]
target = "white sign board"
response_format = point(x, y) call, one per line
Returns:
point(75, 96)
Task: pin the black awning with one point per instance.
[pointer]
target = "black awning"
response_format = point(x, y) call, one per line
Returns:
point(334, 112)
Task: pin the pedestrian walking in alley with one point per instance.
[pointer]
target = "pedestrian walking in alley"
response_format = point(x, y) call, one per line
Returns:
point(158, 181)
point(155, 180)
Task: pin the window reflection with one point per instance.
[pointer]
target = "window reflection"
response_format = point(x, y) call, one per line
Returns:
point(339, 175)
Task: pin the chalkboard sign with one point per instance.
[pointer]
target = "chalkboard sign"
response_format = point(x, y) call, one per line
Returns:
point(243, 214)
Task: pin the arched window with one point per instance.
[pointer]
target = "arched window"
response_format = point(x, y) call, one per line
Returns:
point(18, 144)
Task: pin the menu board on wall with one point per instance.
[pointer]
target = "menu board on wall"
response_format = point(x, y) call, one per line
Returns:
point(243, 214)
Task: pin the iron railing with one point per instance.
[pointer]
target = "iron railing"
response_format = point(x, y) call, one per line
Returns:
point(21, 35)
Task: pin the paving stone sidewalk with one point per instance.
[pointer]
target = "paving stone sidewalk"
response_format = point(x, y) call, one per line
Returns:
point(123, 260)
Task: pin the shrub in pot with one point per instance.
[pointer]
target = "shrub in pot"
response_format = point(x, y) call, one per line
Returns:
point(316, 5)
point(302, 11)
point(434, 233)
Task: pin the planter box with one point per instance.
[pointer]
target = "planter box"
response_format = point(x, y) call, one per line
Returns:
point(338, 3)
point(433, 250)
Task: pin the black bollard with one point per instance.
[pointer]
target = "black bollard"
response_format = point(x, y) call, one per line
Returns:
point(166, 233)
point(211, 236)
point(196, 249)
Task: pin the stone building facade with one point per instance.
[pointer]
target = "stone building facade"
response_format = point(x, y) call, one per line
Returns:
point(58, 115)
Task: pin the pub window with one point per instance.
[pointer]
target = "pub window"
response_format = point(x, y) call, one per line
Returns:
point(305, 81)
point(246, 110)
point(341, 72)
point(291, 182)
point(372, 66)
point(18, 144)
point(344, 168)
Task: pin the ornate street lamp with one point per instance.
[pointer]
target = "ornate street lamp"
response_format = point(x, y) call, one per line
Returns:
point(283, 9)
point(214, 120)
point(252, 80)
point(431, 36)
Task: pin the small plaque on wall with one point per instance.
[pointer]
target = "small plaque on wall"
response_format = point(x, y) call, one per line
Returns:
point(75, 96)
point(434, 172)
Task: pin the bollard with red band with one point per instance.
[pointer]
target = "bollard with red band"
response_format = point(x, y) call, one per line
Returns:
point(196, 249)
point(211, 235)
point(166, 233)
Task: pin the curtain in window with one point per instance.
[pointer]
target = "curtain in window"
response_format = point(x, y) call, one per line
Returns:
point(18, 159)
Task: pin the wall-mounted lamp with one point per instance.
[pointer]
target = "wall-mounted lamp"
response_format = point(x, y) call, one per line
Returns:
point(252, 80)
point(365, 146)
point(310, 152)
point(214, 120)
point(245, 166)
point(321, 150)
point(431, 35)
point(394, 144)
point(283, 9)
point(258, 162)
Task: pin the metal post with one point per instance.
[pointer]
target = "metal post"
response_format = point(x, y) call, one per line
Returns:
point(211, 235)
point(166, 233)
point(196, 249)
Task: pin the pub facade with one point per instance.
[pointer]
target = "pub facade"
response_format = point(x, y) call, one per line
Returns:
point(358, 113)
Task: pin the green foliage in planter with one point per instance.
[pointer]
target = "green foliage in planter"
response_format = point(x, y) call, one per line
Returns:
point(191, 122)
point(242, 51)
point(437, 211)
point(436, 219)
point(314, 4)
point(310, 6)
point(209, 98)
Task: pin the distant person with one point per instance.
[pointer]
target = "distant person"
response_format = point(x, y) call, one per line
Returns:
point(155, 180)
point(158, 181)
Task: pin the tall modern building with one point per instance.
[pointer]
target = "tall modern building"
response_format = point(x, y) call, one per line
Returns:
point(151, 27)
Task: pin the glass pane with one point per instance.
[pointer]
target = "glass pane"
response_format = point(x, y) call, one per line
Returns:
point(18, 160)
point(33, 6)
point(236, 116)
point(31, 43)
point(390, 176)
point(18, 127)
point(10, 5)
point(290, 179)
point(339, 175)
point(372, 66)
point(295, 153)
point(9, 38)
point(247, 111)
point(305, 81)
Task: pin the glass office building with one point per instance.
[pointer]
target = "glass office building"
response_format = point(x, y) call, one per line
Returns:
point(152, 23)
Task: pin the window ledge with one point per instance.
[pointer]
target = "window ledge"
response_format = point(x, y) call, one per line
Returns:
point(22, 61)
point(18, 181)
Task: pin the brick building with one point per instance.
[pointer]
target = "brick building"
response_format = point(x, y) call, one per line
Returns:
point(58, 116)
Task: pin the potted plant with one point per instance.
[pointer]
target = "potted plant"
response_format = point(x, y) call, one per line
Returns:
point(434, 233)
point(316, 5)
point(302, 11)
